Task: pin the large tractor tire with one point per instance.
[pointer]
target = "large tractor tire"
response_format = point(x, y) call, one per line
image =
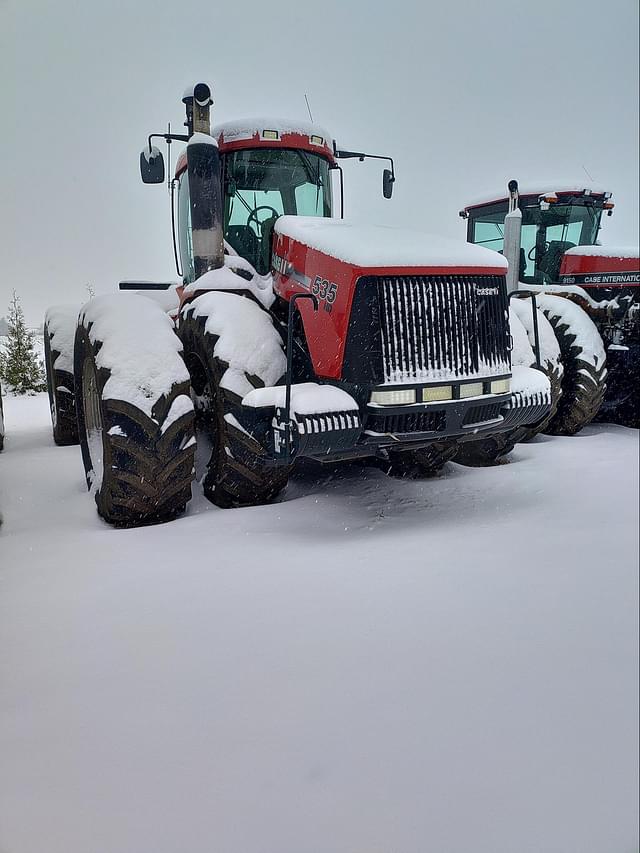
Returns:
point(59, 334)
point(134, 410)
point(487, 451)
point(584, 364)
point(426, 462)
point(550, 363)
point(231, 346)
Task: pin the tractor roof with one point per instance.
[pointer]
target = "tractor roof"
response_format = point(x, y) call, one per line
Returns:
point(550, 188)
point(269, 133)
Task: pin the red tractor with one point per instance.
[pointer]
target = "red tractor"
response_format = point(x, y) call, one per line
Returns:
point(549, 236)
point(292, 334)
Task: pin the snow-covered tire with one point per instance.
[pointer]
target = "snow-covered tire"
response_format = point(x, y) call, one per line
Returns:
point(584, 365)
point(553, 372)
point(59, 333)
point(222, 372)
point(134, 411)
point(426, 462)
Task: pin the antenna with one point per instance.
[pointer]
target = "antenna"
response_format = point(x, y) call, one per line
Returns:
point(169, 157)
point(587, 173)
point(308, 107)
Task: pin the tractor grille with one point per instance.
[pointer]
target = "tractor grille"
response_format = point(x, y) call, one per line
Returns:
point(481, 414)
point(443, 327)
point(432, 421)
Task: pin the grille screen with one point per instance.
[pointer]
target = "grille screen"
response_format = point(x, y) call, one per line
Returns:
point(443, 327)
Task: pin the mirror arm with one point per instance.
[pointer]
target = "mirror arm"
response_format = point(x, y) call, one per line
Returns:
point(168, 138)
point(338, 168)
point(345, 155)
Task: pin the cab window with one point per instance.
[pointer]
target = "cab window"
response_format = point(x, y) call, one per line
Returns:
point(185, 242)
point(263, 183)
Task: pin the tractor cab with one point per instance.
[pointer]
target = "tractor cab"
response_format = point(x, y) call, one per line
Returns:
point(270, 169)
point(263, 169)
point(552, 223)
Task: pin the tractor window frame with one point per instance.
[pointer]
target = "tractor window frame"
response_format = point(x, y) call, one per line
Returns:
point(185, 238)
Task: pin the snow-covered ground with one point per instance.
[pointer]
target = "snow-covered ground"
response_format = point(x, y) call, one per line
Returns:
point(370, 665)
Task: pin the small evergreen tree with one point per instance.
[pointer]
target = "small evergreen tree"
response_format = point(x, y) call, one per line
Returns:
point(20, 367)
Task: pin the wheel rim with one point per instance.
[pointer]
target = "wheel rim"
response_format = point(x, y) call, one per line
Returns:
point(93, 422)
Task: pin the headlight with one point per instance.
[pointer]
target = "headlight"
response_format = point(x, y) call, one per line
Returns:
point(471, 389)
point(501, 386)
point(393, 398)
point(437, 392)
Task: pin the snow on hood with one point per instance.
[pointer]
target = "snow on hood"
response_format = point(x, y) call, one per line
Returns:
point(384, 246)
point(605, 251)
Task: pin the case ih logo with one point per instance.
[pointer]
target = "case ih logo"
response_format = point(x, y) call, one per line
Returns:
point(487, 291)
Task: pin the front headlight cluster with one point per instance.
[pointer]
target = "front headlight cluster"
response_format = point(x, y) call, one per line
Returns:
point(501, 386)
point(401, 397)
point(436, 393)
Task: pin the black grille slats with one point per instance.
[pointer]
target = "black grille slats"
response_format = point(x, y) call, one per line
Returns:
point(439, 328)
point(406, 422)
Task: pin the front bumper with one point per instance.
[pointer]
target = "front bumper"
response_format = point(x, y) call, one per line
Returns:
point(348, 433)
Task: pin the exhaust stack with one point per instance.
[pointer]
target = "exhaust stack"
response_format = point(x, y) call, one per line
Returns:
point(197, 103)
point(205, 183)
point(512, 235)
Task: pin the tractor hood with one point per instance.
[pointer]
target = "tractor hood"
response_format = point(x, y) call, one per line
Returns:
point(367, 278)
point(381, 247)
point(601, 267)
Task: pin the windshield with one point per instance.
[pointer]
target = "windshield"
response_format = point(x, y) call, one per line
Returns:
point(546, 235)
point(264, 183)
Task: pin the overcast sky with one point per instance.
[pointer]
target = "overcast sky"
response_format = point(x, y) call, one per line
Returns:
point(463, 94)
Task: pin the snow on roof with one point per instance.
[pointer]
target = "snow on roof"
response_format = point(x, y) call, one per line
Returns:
point(247, 129)
point(605, 251)
point(384, 246)
point(542, 188)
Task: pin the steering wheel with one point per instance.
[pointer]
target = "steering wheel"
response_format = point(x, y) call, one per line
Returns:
point(253, 217)
point(532, 251)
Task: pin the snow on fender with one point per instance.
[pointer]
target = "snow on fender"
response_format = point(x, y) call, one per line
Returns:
point(135, 415)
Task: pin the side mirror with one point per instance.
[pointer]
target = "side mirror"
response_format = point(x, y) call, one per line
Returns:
point(152, 166)
point(387, 183)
